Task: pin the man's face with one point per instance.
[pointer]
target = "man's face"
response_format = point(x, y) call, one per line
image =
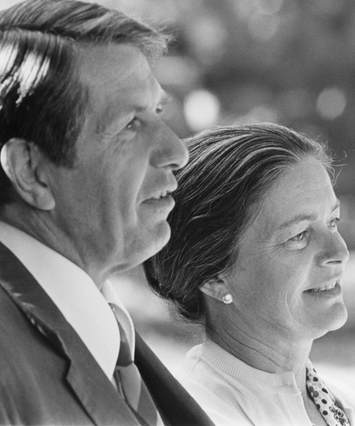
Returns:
point(290, 259)
point(113, 204)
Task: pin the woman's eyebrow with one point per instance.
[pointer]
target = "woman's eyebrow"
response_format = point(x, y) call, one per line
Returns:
point(298, 218)
point(305, 217)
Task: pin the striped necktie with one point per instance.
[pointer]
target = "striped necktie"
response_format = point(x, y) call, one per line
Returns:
point(130, 383)
point(324, 400)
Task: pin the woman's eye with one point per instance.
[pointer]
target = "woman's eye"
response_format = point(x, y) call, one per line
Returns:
point(299, 237)
point(134, 124)
point(299, 241)
point(333, 224)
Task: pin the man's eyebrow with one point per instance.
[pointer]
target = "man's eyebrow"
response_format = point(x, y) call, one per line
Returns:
point(336, 205)
point(163, 100)
point(108, 119)
point(304, 217)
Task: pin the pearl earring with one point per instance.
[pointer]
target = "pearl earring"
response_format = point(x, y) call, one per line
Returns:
point(227, 299)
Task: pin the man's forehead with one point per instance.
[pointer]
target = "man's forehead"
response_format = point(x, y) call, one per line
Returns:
point(120, 77)
point(116, 62)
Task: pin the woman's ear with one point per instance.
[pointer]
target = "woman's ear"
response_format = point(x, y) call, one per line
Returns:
point(22, 162)
point(218, 290)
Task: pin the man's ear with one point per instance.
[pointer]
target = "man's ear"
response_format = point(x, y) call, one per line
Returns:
point(22, 162)
point(218, 290)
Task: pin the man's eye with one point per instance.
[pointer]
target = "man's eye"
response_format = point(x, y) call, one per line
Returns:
point(333, 224)
point(159, 109)
point(134, 124)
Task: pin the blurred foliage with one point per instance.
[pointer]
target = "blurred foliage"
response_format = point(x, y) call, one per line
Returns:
point(264, 59)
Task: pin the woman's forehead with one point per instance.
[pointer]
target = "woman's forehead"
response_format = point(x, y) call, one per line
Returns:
point(303, 190)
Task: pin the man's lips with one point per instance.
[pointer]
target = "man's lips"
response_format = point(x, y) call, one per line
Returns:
point(162, 192)
point(160, 195)
point(162, 204)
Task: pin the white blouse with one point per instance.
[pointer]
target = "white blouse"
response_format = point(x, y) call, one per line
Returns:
point(234, 393)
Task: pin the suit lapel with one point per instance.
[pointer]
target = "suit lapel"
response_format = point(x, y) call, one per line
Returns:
point(175, 404)
point(86, 379)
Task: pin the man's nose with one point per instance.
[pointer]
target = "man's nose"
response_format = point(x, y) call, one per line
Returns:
point(335, 250)
point(169, 150)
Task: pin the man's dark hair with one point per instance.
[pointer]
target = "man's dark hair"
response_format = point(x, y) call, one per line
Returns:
point(42, 99)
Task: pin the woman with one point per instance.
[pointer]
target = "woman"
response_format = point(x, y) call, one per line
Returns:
point(256, 253)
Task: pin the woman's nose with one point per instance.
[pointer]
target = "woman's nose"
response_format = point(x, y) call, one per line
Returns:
point(335, 250)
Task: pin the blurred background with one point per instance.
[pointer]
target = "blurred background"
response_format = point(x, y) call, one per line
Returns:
point(235, 61)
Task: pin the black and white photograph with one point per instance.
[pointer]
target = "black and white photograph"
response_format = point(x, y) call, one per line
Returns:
point(177, 213)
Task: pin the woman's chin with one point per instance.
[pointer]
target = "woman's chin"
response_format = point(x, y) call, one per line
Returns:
point(334, 319)
point(341, 317)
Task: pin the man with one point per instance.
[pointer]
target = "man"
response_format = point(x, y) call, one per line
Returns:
point(86, 175)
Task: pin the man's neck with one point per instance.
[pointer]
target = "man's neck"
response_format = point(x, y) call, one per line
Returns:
point(39, 225)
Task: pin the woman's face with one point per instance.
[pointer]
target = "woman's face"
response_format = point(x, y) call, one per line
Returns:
point(287, 278)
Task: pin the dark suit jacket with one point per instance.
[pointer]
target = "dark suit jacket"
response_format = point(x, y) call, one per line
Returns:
point(48, 376)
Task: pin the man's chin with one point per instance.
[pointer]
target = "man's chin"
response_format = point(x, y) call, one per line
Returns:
point(148, 244)
point(159, 239)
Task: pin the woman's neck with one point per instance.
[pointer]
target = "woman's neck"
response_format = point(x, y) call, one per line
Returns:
point(262, 349)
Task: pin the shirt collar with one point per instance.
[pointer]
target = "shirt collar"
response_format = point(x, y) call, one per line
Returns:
point(234, 367)
point(76, 296)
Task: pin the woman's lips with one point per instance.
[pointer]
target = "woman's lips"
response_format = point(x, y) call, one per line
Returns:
point(328, 290)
